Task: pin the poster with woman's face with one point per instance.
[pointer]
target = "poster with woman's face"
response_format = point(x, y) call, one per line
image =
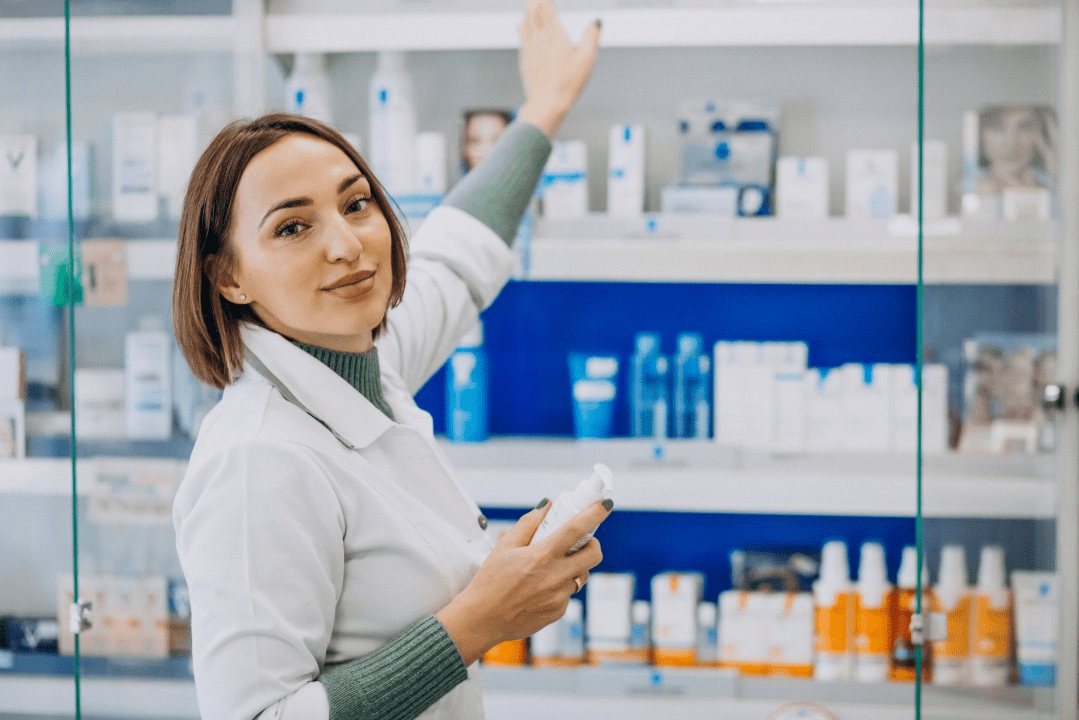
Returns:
point(1016, 148)
point(481, 130)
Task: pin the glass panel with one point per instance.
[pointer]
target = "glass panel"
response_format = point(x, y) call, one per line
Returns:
point(137, 405)
point(988, 176)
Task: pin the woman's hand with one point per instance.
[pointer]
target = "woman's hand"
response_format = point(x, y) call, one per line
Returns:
point(522, 588)
point(554, 71)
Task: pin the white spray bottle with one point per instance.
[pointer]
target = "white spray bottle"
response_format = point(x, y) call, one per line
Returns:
point(598, 487)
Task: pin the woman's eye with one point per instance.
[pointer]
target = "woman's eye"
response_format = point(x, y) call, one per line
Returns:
point(292, 227)
point(359, 204)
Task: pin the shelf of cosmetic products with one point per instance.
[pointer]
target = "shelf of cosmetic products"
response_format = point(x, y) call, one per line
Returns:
point(686, 685)
point(691, 476)
point(704, 248)
point(122, 34)
point(696, 476)
point(696, 248)
point(335, 26)
point(139, 689)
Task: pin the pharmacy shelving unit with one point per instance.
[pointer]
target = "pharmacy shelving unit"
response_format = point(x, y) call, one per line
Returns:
point(514, 472)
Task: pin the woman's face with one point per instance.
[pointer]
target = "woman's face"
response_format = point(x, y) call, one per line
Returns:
point(480, 135)
point(1011, 140)
point(313, 249)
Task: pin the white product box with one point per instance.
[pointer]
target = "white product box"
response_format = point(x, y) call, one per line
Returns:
point(565, 181)
point(758, 396)
point(742, 633)
point(12, 373)
point(731, 363)
point(825, 427)
point(867, 407)
point(789, 362)
point(790, 639)
point(872, 184)
point(625, 171)
point(177, 151)
point(699, 199)
point(18, 175)
point(675, 596)
point(12, 428)
point(1026, 204)
point(431, 163)
point(134, 167)
point(802, 188)
point(148, 388)
point(934, 179)
point(904, 408)
point(609, 624)
point(99, 402)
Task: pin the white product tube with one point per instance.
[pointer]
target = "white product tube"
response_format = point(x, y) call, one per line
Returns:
point(568, 504)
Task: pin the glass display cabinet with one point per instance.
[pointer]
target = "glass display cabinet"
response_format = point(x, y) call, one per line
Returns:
point(882, 322)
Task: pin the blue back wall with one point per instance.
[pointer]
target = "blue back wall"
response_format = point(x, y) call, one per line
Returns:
point(532, 325)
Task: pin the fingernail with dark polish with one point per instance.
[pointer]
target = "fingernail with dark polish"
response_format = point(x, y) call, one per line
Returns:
point(608, 504)
point(599, 23)
point(542, 502)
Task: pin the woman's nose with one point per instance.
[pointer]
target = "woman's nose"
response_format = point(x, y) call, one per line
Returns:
point(343, 241)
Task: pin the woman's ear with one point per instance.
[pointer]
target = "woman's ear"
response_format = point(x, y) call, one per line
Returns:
point(228, 287)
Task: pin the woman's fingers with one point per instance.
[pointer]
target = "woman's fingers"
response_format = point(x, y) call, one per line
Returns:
point(564, 538)
point(522, 531)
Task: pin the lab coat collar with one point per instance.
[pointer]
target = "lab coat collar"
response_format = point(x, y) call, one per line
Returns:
point(321, 392)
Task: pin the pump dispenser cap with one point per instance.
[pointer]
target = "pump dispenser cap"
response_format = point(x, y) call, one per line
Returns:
point(646, 343)
point(391, 59)
point(872, 575)
point(991, 569)
point(834, 573)
point(952, 579)
point(908, 570)
point(689, 343)
point(600, 485)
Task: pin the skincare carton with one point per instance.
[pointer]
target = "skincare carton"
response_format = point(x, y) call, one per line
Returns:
point(790, 640)
point(872, 183)
point(18, 175)
point(1037, 607)
point(802, 188)
point(675, 596)
point(743, 631)
point(609, 627)
point(134, 167)
point(788, 362)
point(99, 402)
point(565, 181)
point(625, 173)
point(177, 151)
point(148, 383)
point(934, 179)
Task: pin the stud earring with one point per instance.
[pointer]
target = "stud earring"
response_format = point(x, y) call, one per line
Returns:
point(243, 298)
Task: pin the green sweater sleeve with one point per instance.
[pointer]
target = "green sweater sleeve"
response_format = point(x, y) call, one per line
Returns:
point(399, 680)
point(496, 192)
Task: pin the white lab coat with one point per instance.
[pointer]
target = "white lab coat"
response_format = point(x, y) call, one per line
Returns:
point(299, 551)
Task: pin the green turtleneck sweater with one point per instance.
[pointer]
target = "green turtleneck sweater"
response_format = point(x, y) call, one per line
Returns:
point(417, 667)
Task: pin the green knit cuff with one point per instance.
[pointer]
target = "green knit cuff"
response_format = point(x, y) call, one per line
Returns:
point(496, 192)
point(398, 681)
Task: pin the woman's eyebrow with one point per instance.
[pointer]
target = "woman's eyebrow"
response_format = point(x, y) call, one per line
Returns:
point(303, 202)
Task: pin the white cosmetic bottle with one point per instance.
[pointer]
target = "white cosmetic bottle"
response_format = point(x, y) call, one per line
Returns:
point(568, 504)
point(307, 90)
point(392, 123)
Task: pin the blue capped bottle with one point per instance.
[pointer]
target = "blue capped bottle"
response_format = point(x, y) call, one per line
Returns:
point(466, 389)
point(692, 388)
point(650, 388)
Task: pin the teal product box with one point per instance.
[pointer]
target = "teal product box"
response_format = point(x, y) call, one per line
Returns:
point(594, 387)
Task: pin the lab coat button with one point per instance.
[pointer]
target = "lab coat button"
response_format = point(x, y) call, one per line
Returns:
point(483, 522)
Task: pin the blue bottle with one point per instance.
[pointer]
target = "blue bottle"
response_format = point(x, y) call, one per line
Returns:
point(649, 388)
point(466, 390)
point(692, 388)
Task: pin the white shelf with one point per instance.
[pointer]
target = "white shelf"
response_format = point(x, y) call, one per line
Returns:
point(20, 267)
point(660, 248)
point(748, 24)
point(702, 477)
point(54, 695)
point(122, 34)
point(667, 248)
point(44, 476)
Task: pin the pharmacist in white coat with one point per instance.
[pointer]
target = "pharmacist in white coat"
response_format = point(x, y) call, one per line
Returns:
point(337, 568)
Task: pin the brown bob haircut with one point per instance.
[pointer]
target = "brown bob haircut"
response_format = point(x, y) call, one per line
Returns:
point(207, 325)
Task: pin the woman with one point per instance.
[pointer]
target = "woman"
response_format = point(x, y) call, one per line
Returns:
point(336, 567)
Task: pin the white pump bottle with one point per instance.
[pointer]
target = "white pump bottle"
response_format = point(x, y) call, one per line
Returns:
point(568, 504)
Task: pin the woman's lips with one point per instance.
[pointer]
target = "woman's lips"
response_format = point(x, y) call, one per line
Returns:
point(353, 285)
